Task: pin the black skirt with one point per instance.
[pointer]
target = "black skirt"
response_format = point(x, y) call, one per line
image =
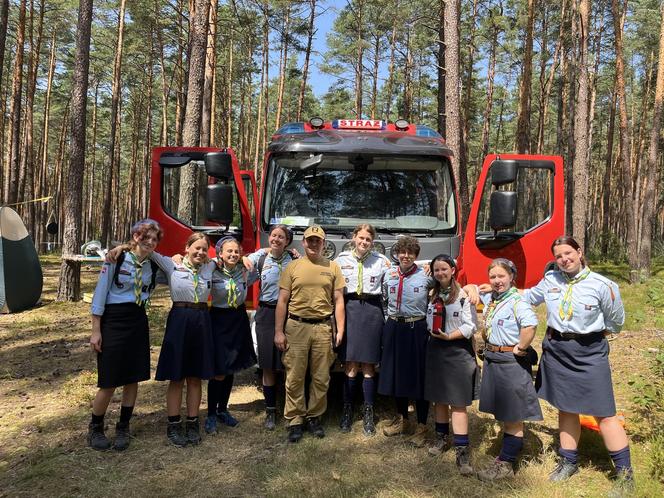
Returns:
point(125, 346)
point(233, 345)
point(364, 331)
point(188, 348)
point(452, 374)
point(402, 364)
point(507, 389)
point(575, 377)
point(269, 357)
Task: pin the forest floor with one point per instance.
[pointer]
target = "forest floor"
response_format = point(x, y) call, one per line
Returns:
point(48, 379)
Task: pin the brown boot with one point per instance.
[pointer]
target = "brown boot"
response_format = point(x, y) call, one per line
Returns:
point(398, 425)
point(420, 436)
point(496, 471)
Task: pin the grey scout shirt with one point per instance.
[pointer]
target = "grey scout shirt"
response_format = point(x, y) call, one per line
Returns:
point(221, 286)
point(509, 317)
point(457, 316)
point(181, 279)
point(270, 273)
point(413, 296)
point(375, 266)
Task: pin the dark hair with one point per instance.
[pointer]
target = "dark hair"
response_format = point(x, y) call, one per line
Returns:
point(142, 227)
point(197, 236)
point(225, 240)
point(506, 264)
point(568, 240)
point(455, 288)
point(365, 226)
point(406, 243)
point(284, 228)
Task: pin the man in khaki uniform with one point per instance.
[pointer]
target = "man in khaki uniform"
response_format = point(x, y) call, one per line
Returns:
point(311, 289)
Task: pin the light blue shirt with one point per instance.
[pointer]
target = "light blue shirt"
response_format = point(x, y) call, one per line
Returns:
point(221, 285)
point(509, 317)
point(181, 279)
point(596, 303)
point(270, 273)
point(414, 295)
point(374, 268)
point(457, 316)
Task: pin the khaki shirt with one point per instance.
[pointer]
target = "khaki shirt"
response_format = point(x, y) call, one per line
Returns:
point(312, 287)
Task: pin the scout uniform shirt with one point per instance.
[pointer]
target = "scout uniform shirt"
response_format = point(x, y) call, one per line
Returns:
point(229, 287)
point(457, 316)
point(270, 273)
point(186, 283)
point(406, 293)
point(373, 266)
point(505, 316)
point(583, 304)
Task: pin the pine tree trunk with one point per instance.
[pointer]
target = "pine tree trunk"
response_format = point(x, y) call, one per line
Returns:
point(262, 94)
point(491, 73)
point(359, 62)
point(307, 56)
point(608, 210)
point(523, 120)
point(283, 64)
point(210, 65)
point(390, 71)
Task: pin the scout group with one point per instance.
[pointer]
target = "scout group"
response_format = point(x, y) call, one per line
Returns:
point(311, 309)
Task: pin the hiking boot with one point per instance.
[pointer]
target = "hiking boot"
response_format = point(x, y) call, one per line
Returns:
point(97, 440)
point(193, 431)
point(497, 470)
point(227, 419)
point(563, 471)
point(174, 434)
point(368, 421)
point(398, 425)
point(294, 433)
point(211, 424)
point(420, 436)
point(270, 419)
point(442, 443)
point(463, 460)
point(313, 426)
point(346, 418)
point(623, 486)
point(122, 436)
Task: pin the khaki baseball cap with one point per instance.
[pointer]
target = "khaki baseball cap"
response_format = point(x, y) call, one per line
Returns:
point(314, 231)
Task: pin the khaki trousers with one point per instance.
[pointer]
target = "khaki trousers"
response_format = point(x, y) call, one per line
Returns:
point(309, 346)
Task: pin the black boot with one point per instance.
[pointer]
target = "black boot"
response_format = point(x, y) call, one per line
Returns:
point(174, 434)
point(193, 431)
point(368, 421)
point(122, 436)
point(270, 418)
point(346, 418)
point(97, 440)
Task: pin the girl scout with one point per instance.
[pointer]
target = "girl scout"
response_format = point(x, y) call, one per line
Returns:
point(363, 270)
point(452, 375)
point(574, 373)
point(120, 333)
point(507, 389)
point(405, 339)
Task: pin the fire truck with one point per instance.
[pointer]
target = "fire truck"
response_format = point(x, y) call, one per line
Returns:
point(396, 176)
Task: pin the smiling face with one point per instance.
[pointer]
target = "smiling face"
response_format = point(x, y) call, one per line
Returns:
point(313, 247)
point(443, 273)
point(363, 242)
point(146, 242)
point(278, 240)
point(500, 279)
point(406, 259)
point(197, 252)
point(568, 259)
point(230, 253)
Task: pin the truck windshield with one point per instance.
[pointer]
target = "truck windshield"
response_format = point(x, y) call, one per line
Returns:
point(395, 193)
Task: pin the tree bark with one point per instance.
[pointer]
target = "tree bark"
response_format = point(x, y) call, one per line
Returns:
point(210, 67)
point(491, 73)
point(390, 71)
point(283, 63)
point(523, 120)
point(307, 55)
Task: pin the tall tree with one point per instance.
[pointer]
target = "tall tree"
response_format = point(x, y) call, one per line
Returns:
point(523, 123)
point(307, 55)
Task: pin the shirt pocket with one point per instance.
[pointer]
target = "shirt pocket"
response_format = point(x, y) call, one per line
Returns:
point(125, 281)
point(586, 313)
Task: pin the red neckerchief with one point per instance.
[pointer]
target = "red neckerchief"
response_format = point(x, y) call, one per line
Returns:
point(402, 277)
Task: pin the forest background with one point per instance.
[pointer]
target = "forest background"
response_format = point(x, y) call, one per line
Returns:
point(81, 110)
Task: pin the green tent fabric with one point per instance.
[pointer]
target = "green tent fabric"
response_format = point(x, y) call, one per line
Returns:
point(21, 278)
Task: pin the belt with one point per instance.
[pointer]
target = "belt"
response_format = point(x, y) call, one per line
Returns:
point(308, 320)
point(362, 297)
point(266, 304)
point(407, 319)
point(565, 336)
point(184, 304)
point(498, 349)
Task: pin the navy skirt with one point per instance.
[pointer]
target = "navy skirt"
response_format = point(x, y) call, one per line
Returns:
point(233, 345)
point(269, 356)
point(125, 346)
point(575, 377)
point(402, 364)
point(452, 374)
point(507, 389)
point(364, 331)
point(188, 348)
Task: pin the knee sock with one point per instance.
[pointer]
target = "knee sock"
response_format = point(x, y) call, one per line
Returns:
point(225, 393)
point(622, 460)
point(442, 428)
point(369, 390)
point(349, 387)
point(402, 406)
point(213, 396)
point(125, 414)
point(461, 440)
point(97, 419)
point(572, 456)
point(511, 448)
point(270, 394)
point(422, 408)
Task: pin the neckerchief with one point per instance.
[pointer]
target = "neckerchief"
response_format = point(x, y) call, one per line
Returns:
point(360, 269)
point(402, 277)
point(494, 305)
point(194, 270)
point(444, 294)
point(138, 278)
point(280, 260)
point(565, 309)
point(232, 287)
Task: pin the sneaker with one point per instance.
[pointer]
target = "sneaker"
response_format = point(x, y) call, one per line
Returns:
point(227, 419)
point(97, 440)
point(122, 436)
point(294, 433)
point(398, 425)
point(497, 470)
point(442, 443)
point(313, 426)
point(193, 431)
point(346, 418)
point(270, 419)
point(420, 436)
point(563, 471)
point(623, 486)
point(211, 424)
point(174, 434)
point(368, 424)
point(463, 460)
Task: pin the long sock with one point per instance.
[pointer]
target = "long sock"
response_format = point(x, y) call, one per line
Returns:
point(270, 395)
point(422, 408)
point(126, 413)
point(402, 406)
point(572, 456)
point(461, 440)
point(622, 460)
point(349, 388)
point(97, 419)
point(442, 428)
point(213, 396)
point(174, 419)
point(369, 390)
point(225, 393)
point(512, 446)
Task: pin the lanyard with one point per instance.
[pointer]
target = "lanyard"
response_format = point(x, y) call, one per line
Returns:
point(565, 309)
point(194, 270)
point(494, 306)
point(138, 278)
point(360, 270)
point(402, 277)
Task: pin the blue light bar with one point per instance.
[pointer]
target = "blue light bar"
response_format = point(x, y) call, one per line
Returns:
point(425, 131)
point(290, 128)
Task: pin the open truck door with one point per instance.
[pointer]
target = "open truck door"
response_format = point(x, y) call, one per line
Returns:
point(517, 212)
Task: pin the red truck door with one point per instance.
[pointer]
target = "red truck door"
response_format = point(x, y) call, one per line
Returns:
point(249, 182)
point(517, 212)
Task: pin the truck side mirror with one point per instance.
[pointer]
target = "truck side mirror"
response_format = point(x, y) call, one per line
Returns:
point(219, 165)
point(219, 203)
point(503, 171)
point(502, 210)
